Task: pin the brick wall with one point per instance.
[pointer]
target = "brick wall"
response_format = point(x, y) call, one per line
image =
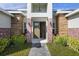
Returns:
point(17, 24)
point(29, 30)
point(62, 24)
point(4, 32)
point(73, 32)
point(49, 30)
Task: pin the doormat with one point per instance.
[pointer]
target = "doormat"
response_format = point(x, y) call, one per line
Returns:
point(37, 45)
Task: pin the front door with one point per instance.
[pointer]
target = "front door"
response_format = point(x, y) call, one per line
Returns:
point(39, 30)
point(36, 30)
point(42, 30)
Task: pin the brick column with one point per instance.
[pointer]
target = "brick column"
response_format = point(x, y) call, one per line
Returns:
point(4, 32)
point(17, 25)
point(49, 30)
point(62, 24)
point(29, 30)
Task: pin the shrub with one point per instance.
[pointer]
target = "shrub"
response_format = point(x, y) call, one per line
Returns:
point(62, 40)
point(4, 42)
point(73, 43)
point(67, 41)
point(18, 40)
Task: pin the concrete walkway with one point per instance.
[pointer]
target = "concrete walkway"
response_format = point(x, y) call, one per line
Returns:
point(39, 49)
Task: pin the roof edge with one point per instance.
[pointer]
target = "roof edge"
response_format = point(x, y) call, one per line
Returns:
point(72, 13)
point(17, 12)
point(6, 12)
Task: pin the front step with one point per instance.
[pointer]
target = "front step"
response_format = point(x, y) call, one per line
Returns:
point(39, 41)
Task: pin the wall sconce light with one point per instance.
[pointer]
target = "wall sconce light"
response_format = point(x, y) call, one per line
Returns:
point(18, 18)
point(51, 24)
point(29, 24)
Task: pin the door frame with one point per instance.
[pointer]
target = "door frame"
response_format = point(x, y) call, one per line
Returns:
point(44, 20)
point(40, 34)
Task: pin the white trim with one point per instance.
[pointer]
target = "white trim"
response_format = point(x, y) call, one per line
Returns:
point(17, 12)
point(62, 11)
point(6, 12)
point(22, 9)
point(39, 40)
point(72, 13)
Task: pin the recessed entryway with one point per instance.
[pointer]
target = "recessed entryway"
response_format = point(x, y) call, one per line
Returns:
point(39, 29)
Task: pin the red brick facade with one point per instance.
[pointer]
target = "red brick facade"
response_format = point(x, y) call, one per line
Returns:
point(49, 30)
point(29, 30)
point(16, 27)
point(74, 32)
point(4, 32)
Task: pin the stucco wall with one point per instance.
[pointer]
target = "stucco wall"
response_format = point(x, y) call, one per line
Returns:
point(73, 21)
point(5, 25)
point(47, 14)
point(5, 21)
point(73, 25)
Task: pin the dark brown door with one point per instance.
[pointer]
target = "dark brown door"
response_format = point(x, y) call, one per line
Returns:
point(43, 30)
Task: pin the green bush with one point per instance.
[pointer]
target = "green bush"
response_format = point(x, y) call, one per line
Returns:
point(62, 40)
point(67, 41)
point(4, 42)
point(18, 40)
point(73, 43)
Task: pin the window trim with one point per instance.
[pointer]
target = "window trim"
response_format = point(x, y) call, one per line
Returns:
point(39, 8)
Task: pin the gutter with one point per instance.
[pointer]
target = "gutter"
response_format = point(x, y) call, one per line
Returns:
point(1, 10)
point(72, 13)
point(17, 12)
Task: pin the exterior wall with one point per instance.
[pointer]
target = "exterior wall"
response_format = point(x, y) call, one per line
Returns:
point(48, 14)
point(73, 21)
point(4, 32)
point(17, 24)
point(5, 25)
point(62, 24)
point(73, 25)
point(73, 32)
point(49, 28)
point(5, 21)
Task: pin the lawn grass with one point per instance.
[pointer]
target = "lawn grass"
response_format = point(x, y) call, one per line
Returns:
point(59, 50)
point(17, 51)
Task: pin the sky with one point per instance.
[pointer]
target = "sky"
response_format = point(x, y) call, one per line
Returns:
point(13, 6)
point(65, 6)
point(55, 6)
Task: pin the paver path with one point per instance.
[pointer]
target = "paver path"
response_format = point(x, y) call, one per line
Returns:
point(39, 50)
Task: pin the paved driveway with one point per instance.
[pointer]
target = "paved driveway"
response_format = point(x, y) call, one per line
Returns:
point(39, 49)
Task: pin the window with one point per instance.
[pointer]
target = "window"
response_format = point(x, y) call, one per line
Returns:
point(43, 7)
point(35, 7)
point(54, 30)
point(39, 7)
point(25, 30)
